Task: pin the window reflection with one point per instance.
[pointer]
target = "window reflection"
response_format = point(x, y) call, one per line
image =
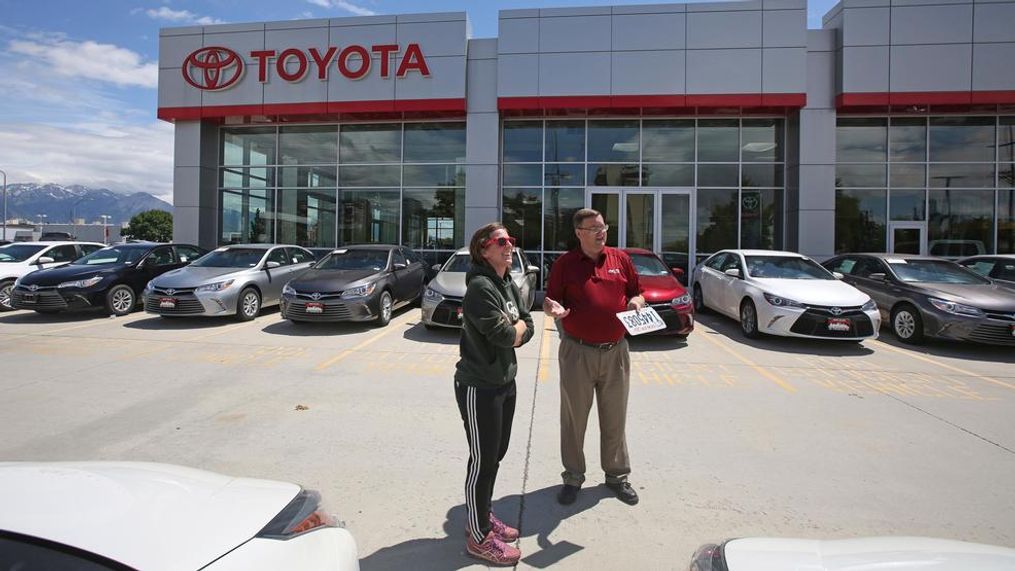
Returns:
point(434, 143)
point(716, 219)
point(369, 216)
point(908, 139)
point(860, 140)
point(718, 140)
point(303, 145)
point(558, 226)
point(962, 139)
point(613, 174)
point(964, 217)
point(523, 141)
point(668, 140)
point(761, 219)
point(761, 140)
point(908, 205)
point(523, 216)
point(860, 220)
point(370, 143)
point(248, 146)
point(307, 217)
point(613, 141)
point(247, 216)
point(1006, 222)
point(565, 141)
point(433, 219)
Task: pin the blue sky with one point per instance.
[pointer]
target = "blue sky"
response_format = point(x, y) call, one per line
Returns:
point(78, 80)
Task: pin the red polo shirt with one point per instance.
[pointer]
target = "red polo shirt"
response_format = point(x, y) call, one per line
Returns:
point(595, 291)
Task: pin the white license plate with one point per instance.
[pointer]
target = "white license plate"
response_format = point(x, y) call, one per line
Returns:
point(838, 324)
point(28, 298)
point(315, 307)
point(167, 302)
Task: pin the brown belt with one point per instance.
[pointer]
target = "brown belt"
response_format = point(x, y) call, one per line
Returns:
point(600, 346)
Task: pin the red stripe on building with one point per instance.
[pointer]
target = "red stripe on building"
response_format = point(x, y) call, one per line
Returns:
point(603, 102)
point(418, 107)
point(845, 100)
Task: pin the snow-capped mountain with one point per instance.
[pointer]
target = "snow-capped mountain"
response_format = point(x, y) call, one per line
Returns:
point(62, 204)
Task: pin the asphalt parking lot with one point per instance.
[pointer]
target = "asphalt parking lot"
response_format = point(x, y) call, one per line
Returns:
point(728, 437)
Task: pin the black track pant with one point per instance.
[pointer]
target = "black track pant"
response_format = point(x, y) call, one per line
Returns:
point(487, 414)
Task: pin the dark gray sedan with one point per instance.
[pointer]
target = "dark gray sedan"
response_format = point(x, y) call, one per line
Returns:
point(999, 267)
point(924, 296)
point(356, 283)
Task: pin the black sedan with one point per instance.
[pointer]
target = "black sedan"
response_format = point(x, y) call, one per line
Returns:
point(924, 296)
point(356, 283)
point(111, 278)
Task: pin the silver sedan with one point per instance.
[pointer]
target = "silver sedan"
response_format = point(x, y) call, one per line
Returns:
point(233, 280)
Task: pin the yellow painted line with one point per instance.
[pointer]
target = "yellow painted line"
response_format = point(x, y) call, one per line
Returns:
point(90, 323)
point(943, 365)
point(758, 368)
point(544, 350)
point(391, 328)
point(168, 344)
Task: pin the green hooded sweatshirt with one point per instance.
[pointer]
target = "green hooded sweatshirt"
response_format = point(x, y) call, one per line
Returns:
point(490, 309)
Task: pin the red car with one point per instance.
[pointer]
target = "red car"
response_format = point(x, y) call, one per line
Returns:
point(664, 293)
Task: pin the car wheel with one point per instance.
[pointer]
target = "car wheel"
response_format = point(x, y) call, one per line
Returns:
point(120, 300)
point(384, 307)
point(699, 300)
point(749, 319)
point(249, 304)
point(5, 295)
point(907, 324)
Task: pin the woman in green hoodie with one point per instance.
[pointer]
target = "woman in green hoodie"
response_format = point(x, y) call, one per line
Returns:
point(494, 322)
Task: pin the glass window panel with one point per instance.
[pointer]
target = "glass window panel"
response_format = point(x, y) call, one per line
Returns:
point(1006, 221)
point(613, 174)
point(668, 175)
point(565, 141)
point(718, 175)
point(608, 204)
point(860, 175)
point(908, 139)
point(433, 219)
point(718, 140)
point(523, 141)
point(960, 221)
point(761, 219)
point(564, 174)
point(523, 216)
point(1006, 175)
point(762, 140)
point(668, 140)
point(317, 144)
point(370, 143)
point(558, 217)
point(945, 175)
point(962, 139)
point(640, 219)
point(375, 175)
point(523, 175)
point(675, 234)
point(907, 204)
point(246, 146)
point(1006, 139)
point(904, 175)
point(307, 217)
point(548, 260)
point(435, 142)
point(860, 220)
point(716, 219)
point(761, 175)
point(613, 141)
point(307, 176)
point(369, 216)
point(247, 216)
point(246, 177)
point(861, 140)
point(433, 175)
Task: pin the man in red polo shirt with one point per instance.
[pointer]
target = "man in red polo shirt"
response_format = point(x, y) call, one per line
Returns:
point(588, 286)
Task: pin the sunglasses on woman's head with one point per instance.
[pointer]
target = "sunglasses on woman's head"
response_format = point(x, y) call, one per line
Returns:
point(502, 241)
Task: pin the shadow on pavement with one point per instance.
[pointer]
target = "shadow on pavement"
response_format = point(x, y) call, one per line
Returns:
point(645, 343)
point(542, 514)
point(953, 349)
point(183, 323)
point(730, 329)
point(29, 316)
point(441, 335)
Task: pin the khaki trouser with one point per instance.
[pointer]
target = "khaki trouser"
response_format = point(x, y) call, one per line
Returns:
point(587, 372)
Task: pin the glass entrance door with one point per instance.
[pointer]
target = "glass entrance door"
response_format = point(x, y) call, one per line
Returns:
point(654, 219)
point(907, 238)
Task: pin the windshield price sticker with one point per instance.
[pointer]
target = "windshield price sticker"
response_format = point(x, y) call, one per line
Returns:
point(644, 321)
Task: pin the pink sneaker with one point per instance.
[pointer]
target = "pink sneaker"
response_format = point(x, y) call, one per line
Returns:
point(503, 531)
point(493, 550)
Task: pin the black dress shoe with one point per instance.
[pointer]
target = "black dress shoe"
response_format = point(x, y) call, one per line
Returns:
point(625, 492)
point(567, 494)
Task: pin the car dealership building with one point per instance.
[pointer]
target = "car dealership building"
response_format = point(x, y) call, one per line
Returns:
point(693, 127)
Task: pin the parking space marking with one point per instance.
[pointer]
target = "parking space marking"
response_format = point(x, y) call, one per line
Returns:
point(90, 323)
point(164, 345)
point(784, 385)
point(544, 350)
point(937, 363)
point(392, 327)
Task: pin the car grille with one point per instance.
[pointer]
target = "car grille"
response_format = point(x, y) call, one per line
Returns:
point(298, 308)
point(184, 305)
point(318, 296)
point(814, 322)
point(46, 297)
point(994, 333)
point(668, 315)
point(446, 312)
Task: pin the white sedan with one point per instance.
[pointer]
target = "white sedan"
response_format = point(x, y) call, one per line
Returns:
point(135, 515)
point(783, 293)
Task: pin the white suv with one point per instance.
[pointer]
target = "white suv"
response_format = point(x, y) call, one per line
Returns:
point(22, 258)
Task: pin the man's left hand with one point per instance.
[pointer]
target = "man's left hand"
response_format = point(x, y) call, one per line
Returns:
point(636, 303)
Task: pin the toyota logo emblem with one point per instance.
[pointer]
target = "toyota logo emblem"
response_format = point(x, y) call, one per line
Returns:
point(836, 311)
point(315, 296)
point(33, 287)
point(212, 68)
point(170, 291)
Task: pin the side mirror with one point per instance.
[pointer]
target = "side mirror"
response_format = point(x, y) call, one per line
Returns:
point(532, 269)
point(45, 260)
point(878, 277)
point(436, 267)
point(677, 272)
point(399, 266)
point(732, 272)
point(271, 265)
point(838, 275)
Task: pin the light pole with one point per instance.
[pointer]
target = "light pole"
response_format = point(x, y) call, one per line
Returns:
point(105, 230)
point(4, 236)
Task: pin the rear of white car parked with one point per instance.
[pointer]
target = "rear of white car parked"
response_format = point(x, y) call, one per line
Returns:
point(783, 293)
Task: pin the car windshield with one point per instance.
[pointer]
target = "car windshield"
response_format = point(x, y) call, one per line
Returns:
point(786, 268)
point(647, 265)
point(110, 256)
point(375, 260)
point(933, 271)
point(458, 263)
point(231, 258)
point(18, 252)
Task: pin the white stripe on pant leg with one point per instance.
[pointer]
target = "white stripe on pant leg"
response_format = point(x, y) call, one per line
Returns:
point(473, 476)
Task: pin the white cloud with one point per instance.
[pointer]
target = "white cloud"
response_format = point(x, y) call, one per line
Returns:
point(181, 16)
point(342, 4)
point(91, 60)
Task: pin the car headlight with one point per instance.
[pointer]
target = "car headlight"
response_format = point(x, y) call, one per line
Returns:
point(217, 286)
point(150, 285)
point(871, 305)
point(288, 290)
point(682, 300)
point(432, 295)
point(782, 301)
point(361, 291)
point(955, 308)
point(82, 283)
